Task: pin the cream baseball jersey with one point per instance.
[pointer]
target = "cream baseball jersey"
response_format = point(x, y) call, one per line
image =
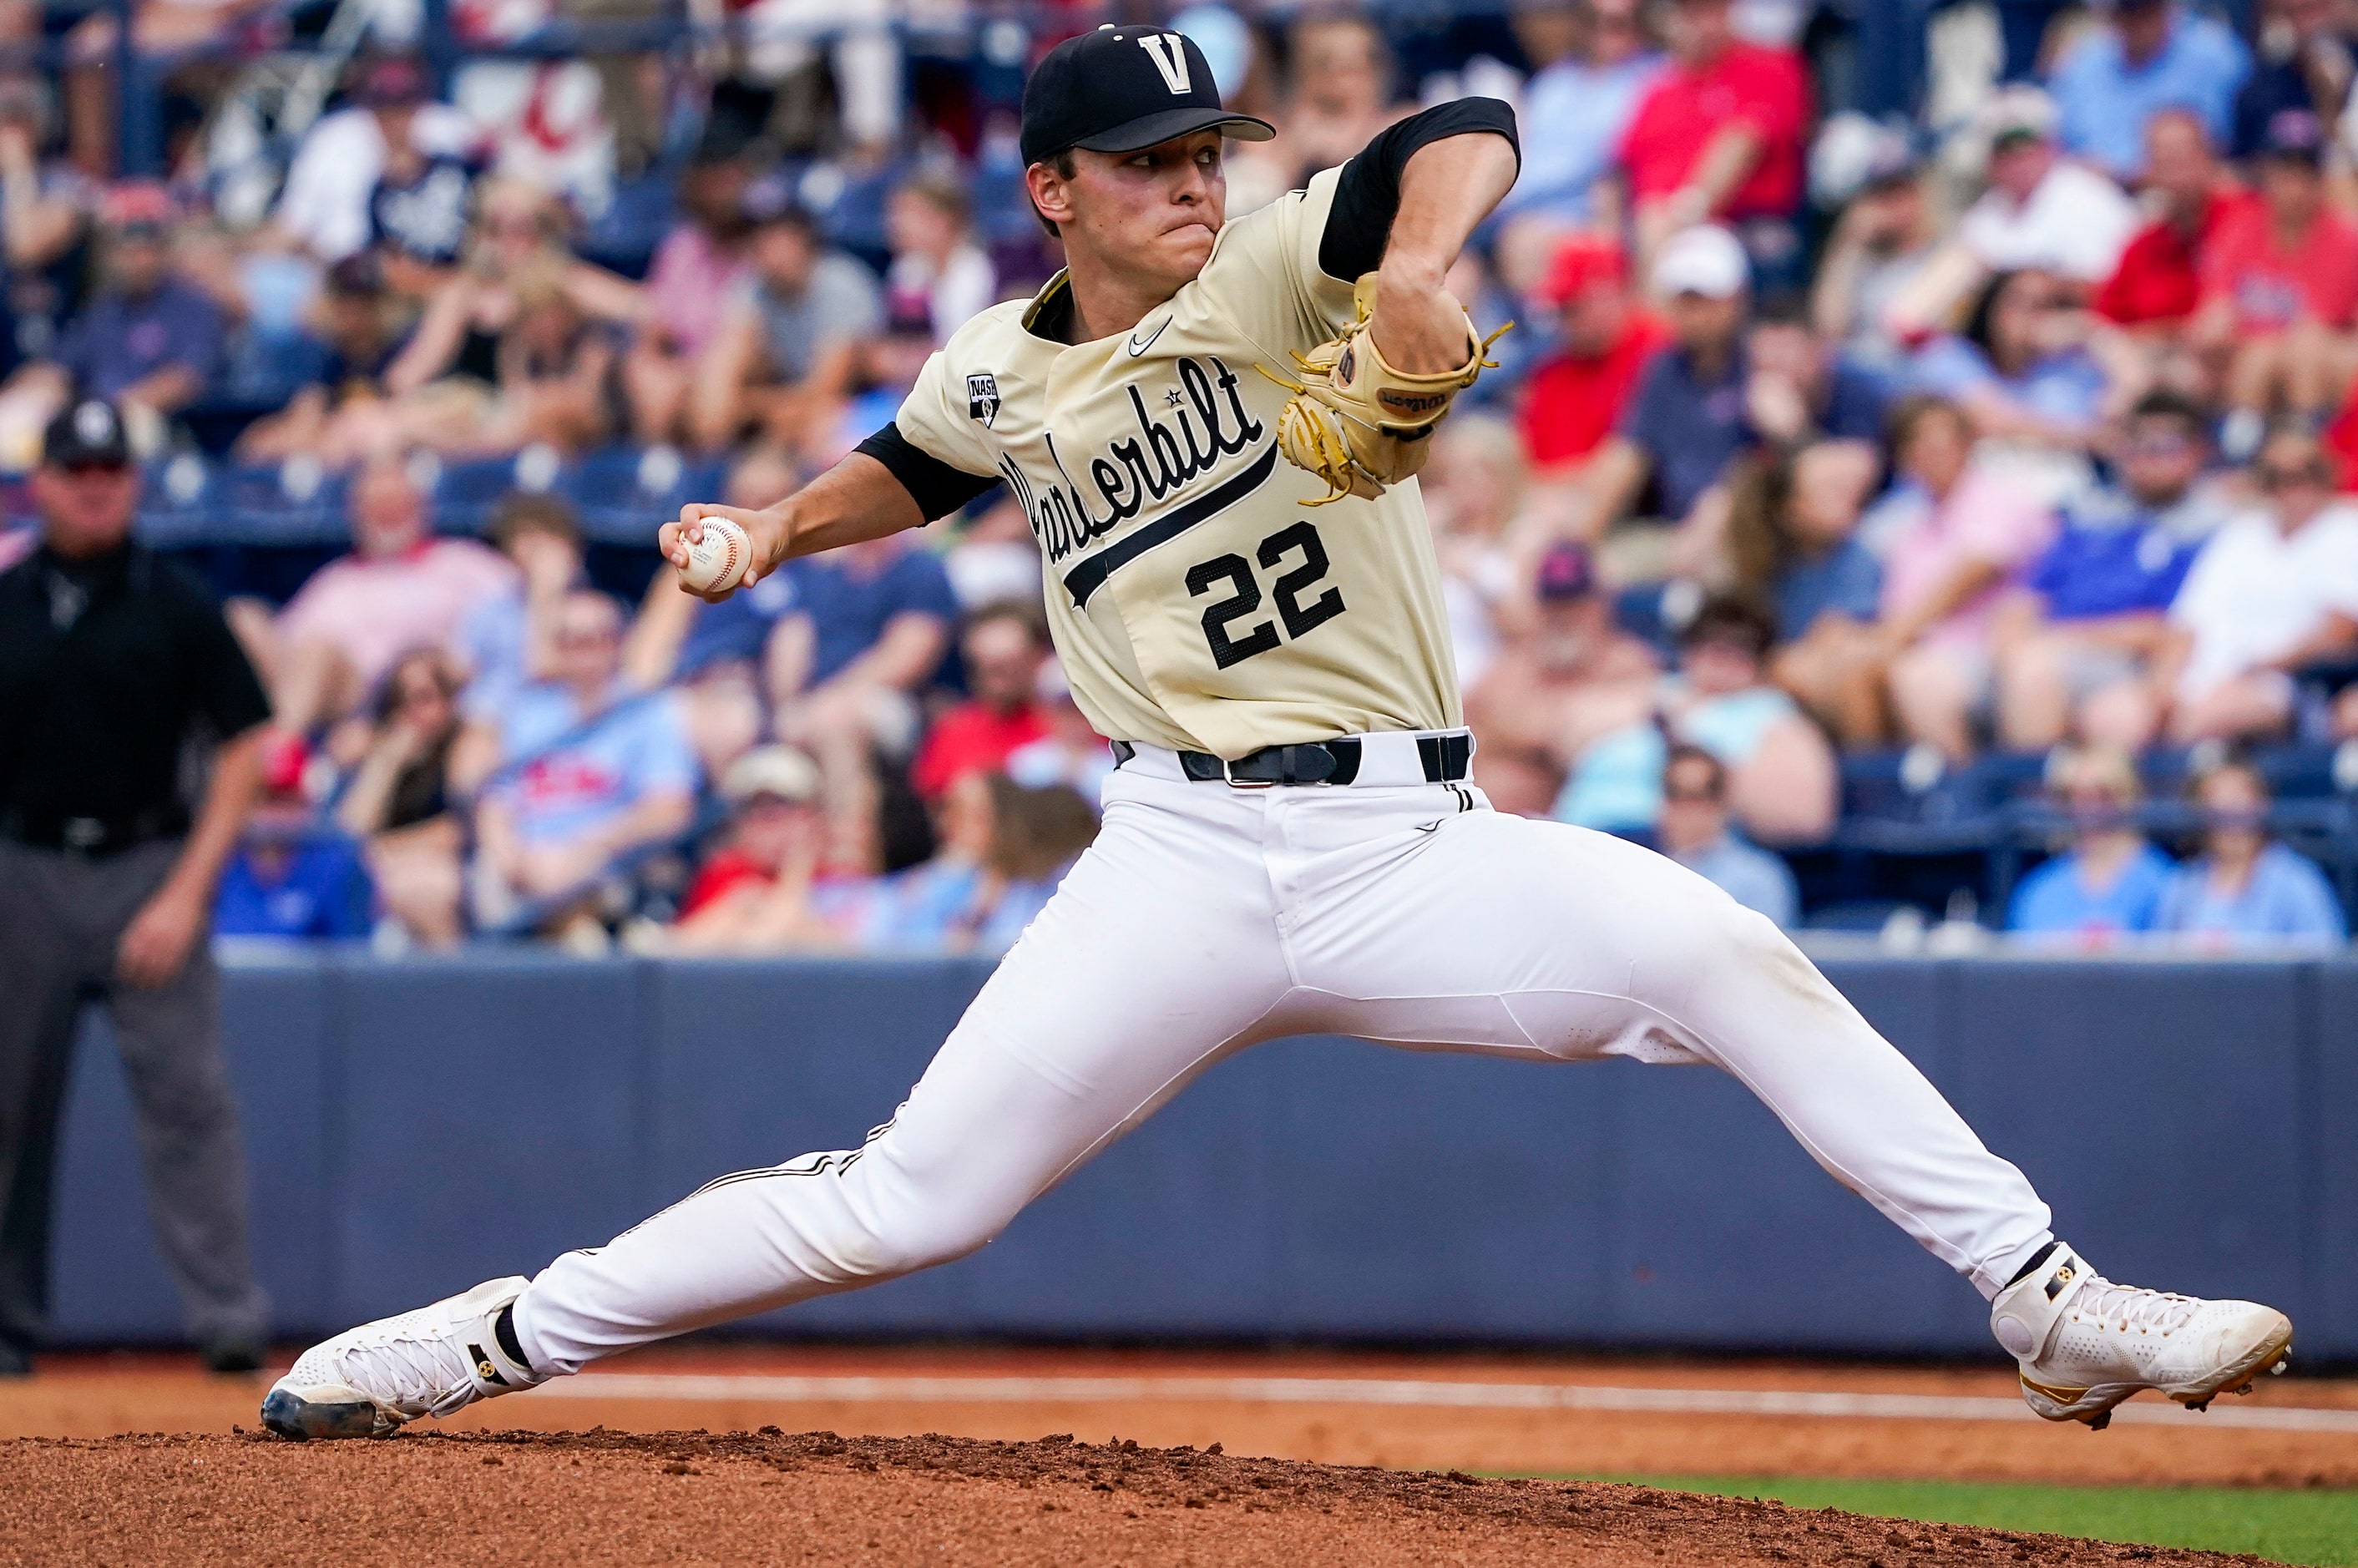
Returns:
point(1195, 601)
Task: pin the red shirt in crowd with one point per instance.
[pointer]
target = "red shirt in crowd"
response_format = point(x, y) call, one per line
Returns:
point(2160, 278)
point(1571, 405)
point(2271, 288)
point(727, 870)
point(972, 738)
point(1766, 88)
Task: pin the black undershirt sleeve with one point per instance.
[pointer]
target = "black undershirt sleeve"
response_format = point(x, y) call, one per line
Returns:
point(1367, 192)
point(936, 487)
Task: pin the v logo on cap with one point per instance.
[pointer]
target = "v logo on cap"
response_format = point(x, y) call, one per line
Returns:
point(1165, 51)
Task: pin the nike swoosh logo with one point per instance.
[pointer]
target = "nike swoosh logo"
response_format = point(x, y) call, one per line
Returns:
point(1137, 348)
point(1428, 827)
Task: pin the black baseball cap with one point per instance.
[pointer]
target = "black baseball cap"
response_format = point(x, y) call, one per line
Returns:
point(1121, 89)
point(87, 433)
point(2294, 135)
point(1566, 573)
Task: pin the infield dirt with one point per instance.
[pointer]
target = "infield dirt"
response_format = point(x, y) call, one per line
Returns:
point(604, 1497)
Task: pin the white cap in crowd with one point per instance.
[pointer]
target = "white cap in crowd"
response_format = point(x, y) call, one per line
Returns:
point(778, 771)
point(1705, 260)
point(2018, 111)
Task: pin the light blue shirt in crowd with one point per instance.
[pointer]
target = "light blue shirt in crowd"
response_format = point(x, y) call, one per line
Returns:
point(926, 907)
point(2103, 102)
point(1616, 784)
point(2068, 388)
point(1752, 877)
point(2288, 899)
point(492, 642)
point(576, 777)
point(2057, 899)
point(1573, 117)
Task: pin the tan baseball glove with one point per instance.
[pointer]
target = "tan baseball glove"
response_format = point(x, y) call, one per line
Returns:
point(1358, 423)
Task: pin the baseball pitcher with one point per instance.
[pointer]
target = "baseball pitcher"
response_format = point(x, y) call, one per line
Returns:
point(1214, 429)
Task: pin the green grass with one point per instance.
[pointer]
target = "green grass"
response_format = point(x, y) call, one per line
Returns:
point(2311, 1528)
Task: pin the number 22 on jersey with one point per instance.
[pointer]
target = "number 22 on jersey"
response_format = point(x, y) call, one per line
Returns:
point(1230, 646)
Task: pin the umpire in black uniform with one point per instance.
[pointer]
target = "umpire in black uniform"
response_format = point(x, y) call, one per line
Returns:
point(113, 664)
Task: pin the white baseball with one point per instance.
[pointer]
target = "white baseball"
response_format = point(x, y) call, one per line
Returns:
point(717, 561)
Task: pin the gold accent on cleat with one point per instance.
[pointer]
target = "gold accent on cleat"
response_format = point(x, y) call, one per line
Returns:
point(2060, 1396)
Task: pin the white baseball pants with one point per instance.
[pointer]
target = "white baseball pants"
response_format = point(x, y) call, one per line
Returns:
point(1207, 918)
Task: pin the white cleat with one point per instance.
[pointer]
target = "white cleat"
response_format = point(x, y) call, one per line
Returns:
point(371, 1381)
point(2085, 1344)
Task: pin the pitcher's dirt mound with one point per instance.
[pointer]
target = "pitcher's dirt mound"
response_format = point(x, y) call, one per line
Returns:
point(512, 1497)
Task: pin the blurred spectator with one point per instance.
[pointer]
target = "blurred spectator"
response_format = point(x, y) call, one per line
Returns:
point(504, 641)
point(858, 633)
point(2304, 67)
point(1575, 397)
point(698, 265)
point(2023, 366)
point(711, 654)
point(1944, 575)
point(2109, 882)
point(1883, 240)
point(339, 416)
point(1718, 137)
point(517, 347)
point(2158, 282)
point(1799, 389)
point(1694, 832)
point(1781, 776)
point(1003, 851)
point(45, 207)
point(400, 802)
point(324, 206)
point(1341, 77)
point(1575, 697)
point(419, 213)
point(581, 772)
point(400, 588)
point(2280, 292)
point(147, 339)
point(1002, 648)
point(1576, 110)
point(990, 554)
point(1071, 751)
point(938, 273)
point(293, 877)
point(1792, 532)
point(1686, 422)
point(2245, 889)
point(2076, 638)
point(2144, 57)
point(782, 357)
point(2042, 210)
point(760, 891)
point(2272, 591)
point(1473, 487)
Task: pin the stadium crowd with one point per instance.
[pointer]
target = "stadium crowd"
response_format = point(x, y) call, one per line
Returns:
point(2004, 451)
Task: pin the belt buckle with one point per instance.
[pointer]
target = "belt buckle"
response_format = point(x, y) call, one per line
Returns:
point(1228, 773)
point(81, 835)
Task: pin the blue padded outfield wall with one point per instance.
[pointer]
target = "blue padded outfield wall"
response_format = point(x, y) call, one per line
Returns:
point(415, 1127)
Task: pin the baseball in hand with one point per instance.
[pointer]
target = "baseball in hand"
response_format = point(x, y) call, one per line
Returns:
point(716, 562)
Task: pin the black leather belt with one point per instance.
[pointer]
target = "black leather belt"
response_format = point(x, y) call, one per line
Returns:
point(1447, 759)
point(94, 837)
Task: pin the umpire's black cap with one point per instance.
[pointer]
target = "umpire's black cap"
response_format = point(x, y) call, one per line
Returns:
point(88, 433)
point(1120, 89)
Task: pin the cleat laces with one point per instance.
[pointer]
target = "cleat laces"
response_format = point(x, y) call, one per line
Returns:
point(2125, 1308)
point(417, 1369)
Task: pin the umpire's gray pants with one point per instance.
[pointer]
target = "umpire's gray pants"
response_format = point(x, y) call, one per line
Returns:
point(60, 917)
